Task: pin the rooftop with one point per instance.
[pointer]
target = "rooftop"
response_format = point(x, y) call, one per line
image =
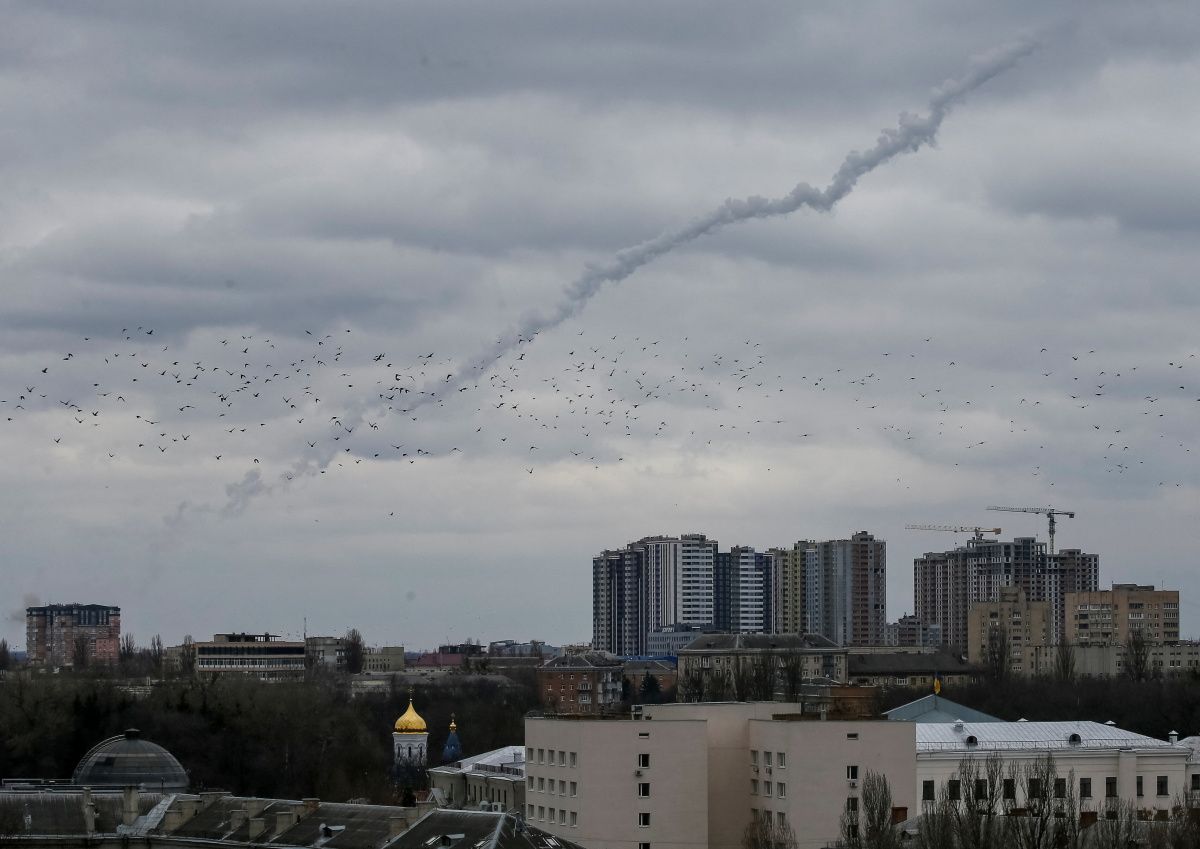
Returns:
point(476, 830)
point(934, 708)
point(509, 760)
point(734, 642)
point(991, 736)
point(587, 659)
point(907, 663)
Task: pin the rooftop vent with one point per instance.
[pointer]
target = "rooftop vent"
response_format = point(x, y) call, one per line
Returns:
point(972, 741)
point(958, 725)
point(1074, 739)
point(1173, 736)
point(1111, 724)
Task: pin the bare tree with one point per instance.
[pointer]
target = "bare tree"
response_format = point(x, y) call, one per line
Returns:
point(741, 679)
point(354, 651)
point(5, 656)
point(976, 820)
point(187, 656)
point(1033, 825)
point(764, 833)
point(762, 678)
point(690, 686)
point(127, 651)
point(936, 826)
point(81, 652)
point(997, 660)
point(156, 654)
point(1137, 655)
point(1064, 662)
point(1117, 827)
point(793, 676)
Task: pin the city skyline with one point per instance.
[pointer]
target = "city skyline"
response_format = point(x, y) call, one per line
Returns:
point(381, 321)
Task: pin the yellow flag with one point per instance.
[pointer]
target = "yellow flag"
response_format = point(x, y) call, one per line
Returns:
point(937, 685)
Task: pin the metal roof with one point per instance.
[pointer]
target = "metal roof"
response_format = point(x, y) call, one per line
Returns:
point(991, 736)
point(129, 760)
point(508, 760)
point(934, 708)
point(476, 830)
point(734, 642)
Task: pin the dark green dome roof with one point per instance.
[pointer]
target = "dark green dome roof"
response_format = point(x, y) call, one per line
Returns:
point(127, 760)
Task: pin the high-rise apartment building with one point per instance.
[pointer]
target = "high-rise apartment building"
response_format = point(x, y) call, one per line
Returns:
point(845, 589)
point(1106, 617)
point(947, 583)
point(788, 589)
point(619, 611)
point(742, 597)
point(61, 634)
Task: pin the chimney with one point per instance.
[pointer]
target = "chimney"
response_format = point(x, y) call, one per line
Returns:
point(237, 819)
point(129, 805)
point(285, 820)
point(257, 826)
point(171, 820)
point(1173, 736)
point(210, 796)
point(254, 807)
point(397, 826)
point(310, 805)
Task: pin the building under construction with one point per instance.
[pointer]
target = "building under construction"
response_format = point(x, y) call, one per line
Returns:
point(947, 583)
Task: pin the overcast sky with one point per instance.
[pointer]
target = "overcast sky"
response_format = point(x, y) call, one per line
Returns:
point(215, 217)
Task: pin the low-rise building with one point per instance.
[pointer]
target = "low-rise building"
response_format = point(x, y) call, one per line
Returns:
point(265, 656)
point(1115, 659)
point(913, 668)
point(495, 778)
point(383, 659)
point(638, 669)
point(588, 683)
point(668, 640)
point(720, 665)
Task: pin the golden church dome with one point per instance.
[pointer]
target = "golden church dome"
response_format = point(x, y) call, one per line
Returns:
point(410, 722)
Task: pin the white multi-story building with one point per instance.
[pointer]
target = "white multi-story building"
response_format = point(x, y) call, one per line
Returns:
point(1100, 761)
point(679, 580)
point(495, 779)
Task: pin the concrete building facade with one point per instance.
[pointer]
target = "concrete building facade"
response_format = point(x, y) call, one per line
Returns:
point(1101, 617)
point(742, 583)
point(496, 778)
point(54, 632)
point(947, 583)
point(845, 589)
point(1024, 625)
point(264, 656)
point(586, 684)
point(692, 776)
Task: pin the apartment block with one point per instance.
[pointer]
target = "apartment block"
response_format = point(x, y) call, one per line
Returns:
point(946, 584)
point(1108, 616)
point(694, 775)
point(742, 583)
point(588, 683)
point(264, 656)
point(54, 632)
point(846, 589)
point(619, 612)
point(787, 589)
point(1023, 625)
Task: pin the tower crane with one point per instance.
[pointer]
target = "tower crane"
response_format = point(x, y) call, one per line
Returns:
point(957, 529)
point(1048, 512)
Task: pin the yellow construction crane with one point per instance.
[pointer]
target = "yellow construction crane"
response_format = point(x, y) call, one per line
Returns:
point(957, 529)
point(1048, 512)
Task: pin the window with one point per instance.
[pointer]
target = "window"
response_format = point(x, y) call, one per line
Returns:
point(530, 780)
point(1160, 786)
point(766, 788)
point(562, 758)
point(644, 760)
point(541, 812)
point(541, 783)
point(981, 788)
point(926, 791)
point(530, 811)
point(1139, 786)
point(562, 816)
point(753, 786)
point(529, 754)
point(643, 789)
point(644, 819)
point(1034, 791)
point(1085, 788)
point(766, 758)
point(781, 819)
point(781, 790)
point(574, 788)
point(572, 759)
point(562, 787)
point(574, 819)
point(1010, 789)
point(550, 812)
point(852, 735)
point(1110, 787)
point(954, 789)
point(852, 772)
point(781, 759)
point(541, 756)
point(1196, 783)
point(852, 804)
point(643, 846)
point(753, 757)
point(1060, 788)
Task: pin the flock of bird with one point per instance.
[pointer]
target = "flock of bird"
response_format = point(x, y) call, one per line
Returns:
point(315, 402)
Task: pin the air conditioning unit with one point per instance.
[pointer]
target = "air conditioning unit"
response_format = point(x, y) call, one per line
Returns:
point(638, 773)
point(852, 782)
point(755, 769)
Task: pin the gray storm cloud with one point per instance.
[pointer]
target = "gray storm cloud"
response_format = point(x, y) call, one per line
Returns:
point(910, 134)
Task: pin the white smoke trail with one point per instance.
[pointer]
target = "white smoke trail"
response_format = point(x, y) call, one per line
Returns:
point(909, 135)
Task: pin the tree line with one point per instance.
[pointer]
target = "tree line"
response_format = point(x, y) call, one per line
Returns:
point(233, 732)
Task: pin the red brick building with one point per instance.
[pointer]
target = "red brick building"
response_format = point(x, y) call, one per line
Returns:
point(54, 632)
point(587, 684)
